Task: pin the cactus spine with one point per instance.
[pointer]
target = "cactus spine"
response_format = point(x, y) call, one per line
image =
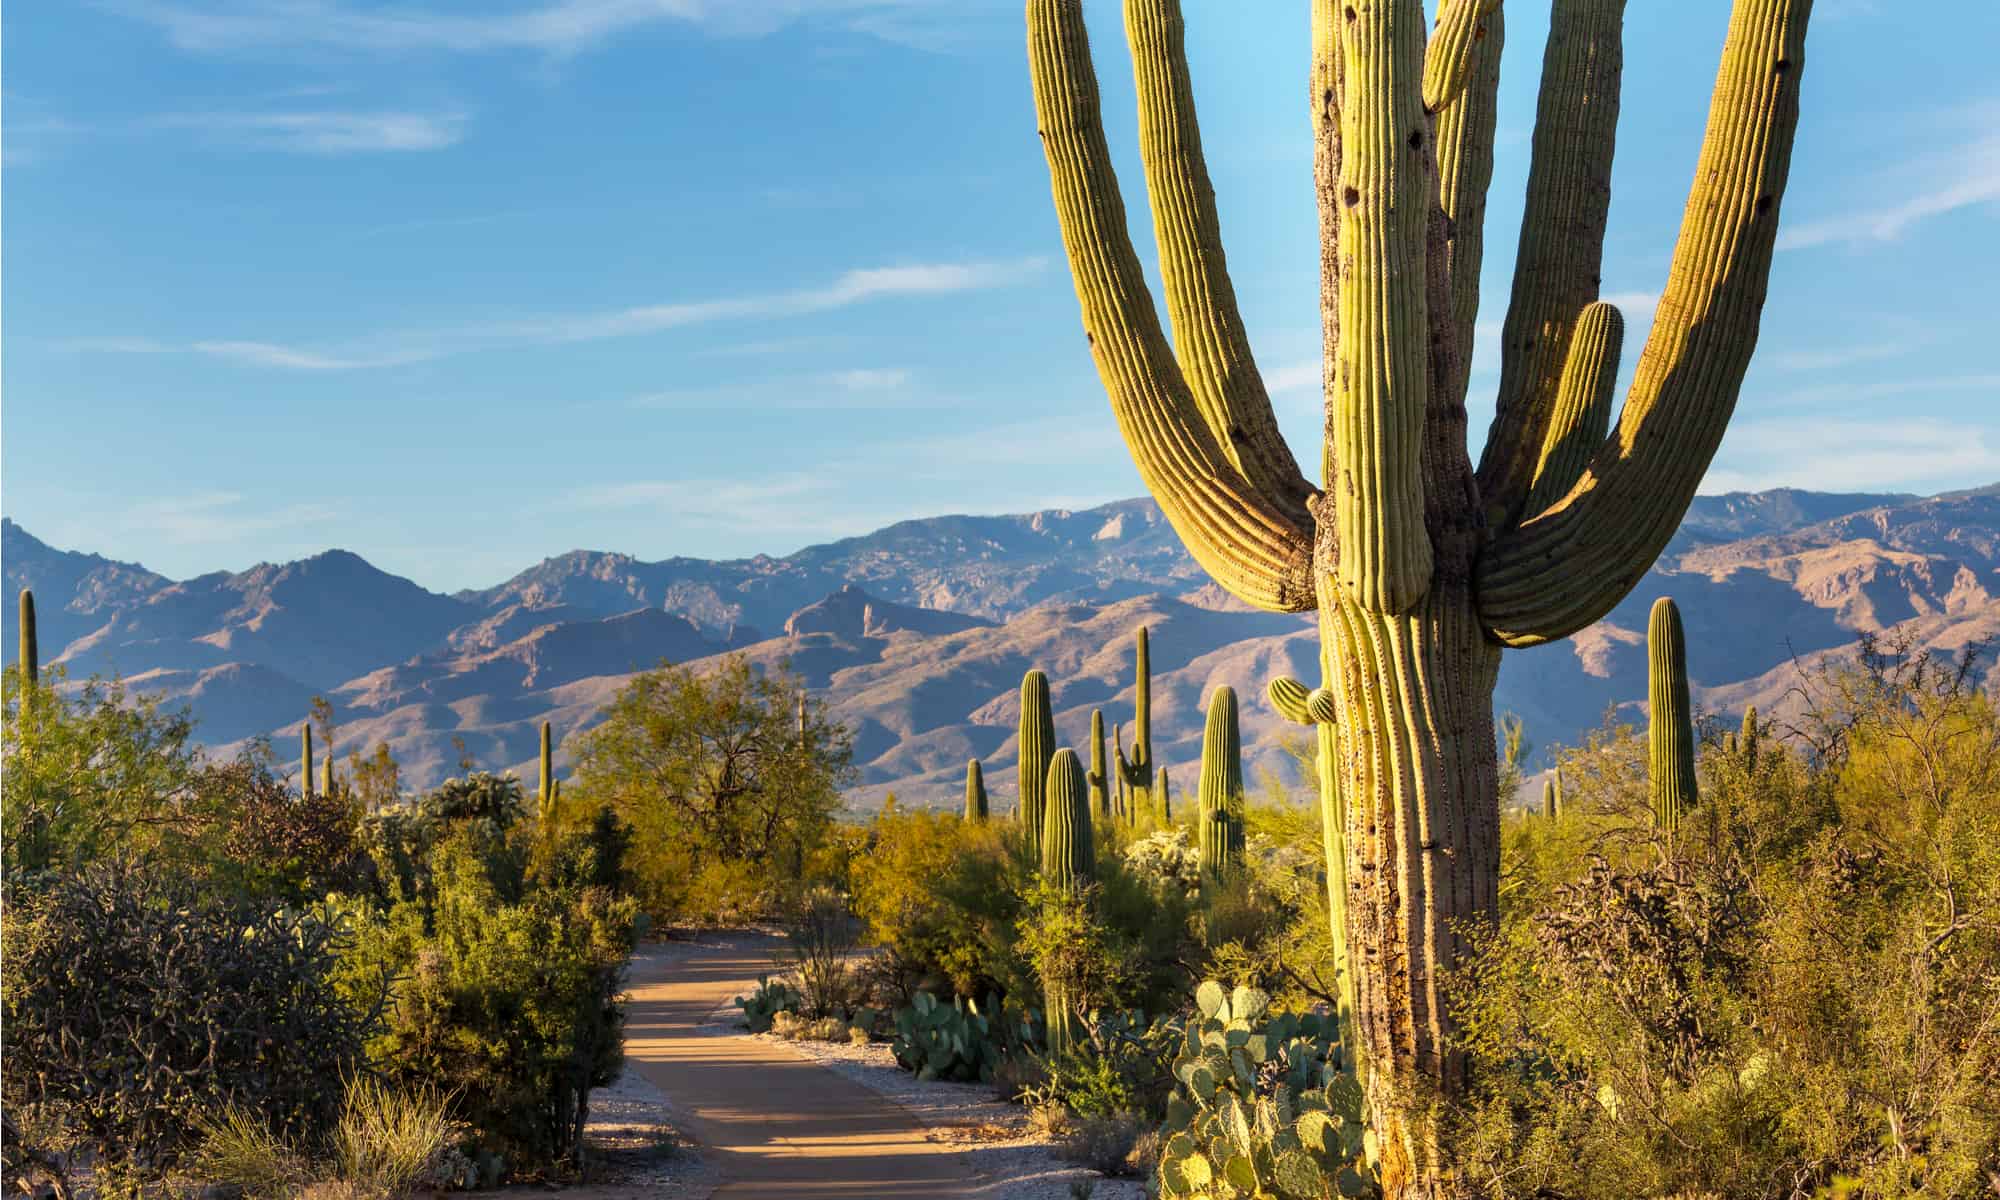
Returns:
point(1419, 565)
point(1671, 733)
point(306, 760)
point(975, 791)
point(1100, 790)
point(31, 657)
point(1069, 861)
point(1037, 747)
point(1138, 769)
point(1221, 793)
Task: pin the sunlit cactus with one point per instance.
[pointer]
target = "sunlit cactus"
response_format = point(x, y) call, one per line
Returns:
point(975, 791)
point(1420, 565)
point(1670, 733)
point(1037, 746)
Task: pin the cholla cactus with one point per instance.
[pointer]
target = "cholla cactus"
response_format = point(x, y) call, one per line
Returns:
point(1420, 565)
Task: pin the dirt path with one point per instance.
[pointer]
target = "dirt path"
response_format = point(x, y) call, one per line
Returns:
point(777, 1125)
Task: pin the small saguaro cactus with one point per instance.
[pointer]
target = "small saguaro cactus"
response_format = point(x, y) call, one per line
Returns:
point(1670, 735)
point(1315, 707)
point(1069, 860)
point(326, 780)
point(1552, 796)
point(31, 661)
point(1221, 792)
point(1100, 789)
point(975, 791)
point(1747, 742)
point(1138, 769)
point(306, 760)
point(549, 798)
point(1037, 746)
point(1420, 563)
point(1163, 811)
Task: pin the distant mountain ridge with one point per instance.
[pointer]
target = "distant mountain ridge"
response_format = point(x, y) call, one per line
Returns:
point(917, 634)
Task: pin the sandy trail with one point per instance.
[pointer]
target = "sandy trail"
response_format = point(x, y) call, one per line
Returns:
point(778, 1126)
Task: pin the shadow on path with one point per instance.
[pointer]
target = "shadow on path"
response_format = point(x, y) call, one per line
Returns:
point(778, 1126)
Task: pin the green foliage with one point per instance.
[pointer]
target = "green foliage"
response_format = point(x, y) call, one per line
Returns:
point(727, 796)
point(955, 1041)
point(505, 985)
point(134, 1003)
point(1262, 1106)
point(90, 776)
point(773, 996)
point(1796, 994)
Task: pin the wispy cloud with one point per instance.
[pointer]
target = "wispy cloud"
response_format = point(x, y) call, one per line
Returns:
point(1963, 176)
point(1293, 377)
point(325, 132)
point(550, 26)
point(206, 517)
point(1835, 357)
point(854, 287)
point(861, 387)
point(1855, 455)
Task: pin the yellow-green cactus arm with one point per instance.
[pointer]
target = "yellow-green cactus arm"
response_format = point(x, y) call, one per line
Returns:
point(1561, 251)
point(1386, 200)
point(1465, 171)
point(1582, 417)
point(1257, 550)
point(1600, 539)
point(1452, 58)
point(1213, 348)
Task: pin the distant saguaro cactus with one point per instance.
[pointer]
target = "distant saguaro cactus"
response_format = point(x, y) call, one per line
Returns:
point(1100, 784)
point(31, 655)
point(1138, 769)
point(975, 791)
point(1420, 565)
point(1037, 746)
point(1219, 832)
point(548, 801)
point(1068, 860)
point(1670, 732)
point(306, 760)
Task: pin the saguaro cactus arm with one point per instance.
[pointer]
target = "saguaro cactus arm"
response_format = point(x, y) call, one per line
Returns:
point(1561, 253)
point(1582, 415)
point(1616, 518)
point(1209, 339)
point(1465, 127)
point(1257, 545)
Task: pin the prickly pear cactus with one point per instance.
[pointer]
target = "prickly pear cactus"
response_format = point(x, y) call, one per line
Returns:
point(1262, 1107)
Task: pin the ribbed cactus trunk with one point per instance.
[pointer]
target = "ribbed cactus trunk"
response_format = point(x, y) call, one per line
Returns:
point(549, 797)
point(1069, 860)
point(1037, 747)
point(1138, 770)
point(1163, 799)
point(31, 655)
point(306, 760)
point(1100, 783)
point(1670, 732)
point(975, 791)
point(1749, 741)
point(1221, 791)
point(326, 773)
point(1420, 565)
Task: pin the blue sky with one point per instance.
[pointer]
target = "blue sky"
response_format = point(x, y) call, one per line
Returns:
point(461, 285)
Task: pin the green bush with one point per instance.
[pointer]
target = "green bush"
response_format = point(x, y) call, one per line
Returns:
point(1262, 1107)
point(134, 1004)
point(506, 987)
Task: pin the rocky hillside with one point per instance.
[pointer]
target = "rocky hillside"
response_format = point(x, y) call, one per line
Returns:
point(918, 634)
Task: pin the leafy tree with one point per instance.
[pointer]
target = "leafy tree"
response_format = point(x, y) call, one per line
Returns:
point(728, 779)
point(91, 775)
point(376, 779)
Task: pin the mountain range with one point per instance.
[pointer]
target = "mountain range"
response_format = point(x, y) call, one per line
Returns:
point(917, 635)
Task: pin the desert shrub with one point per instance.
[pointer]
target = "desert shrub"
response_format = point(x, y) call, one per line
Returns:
point(726, 793)
point(1263, 1105)
point(819, 936)
point(266, 839)
point(134, 1003)
point(506, 989)
point(1797, 996)
point(772, 998)
point(389, 1140)
point(1105, 1144)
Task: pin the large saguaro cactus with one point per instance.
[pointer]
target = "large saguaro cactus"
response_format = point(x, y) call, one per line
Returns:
point(1420, 566)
